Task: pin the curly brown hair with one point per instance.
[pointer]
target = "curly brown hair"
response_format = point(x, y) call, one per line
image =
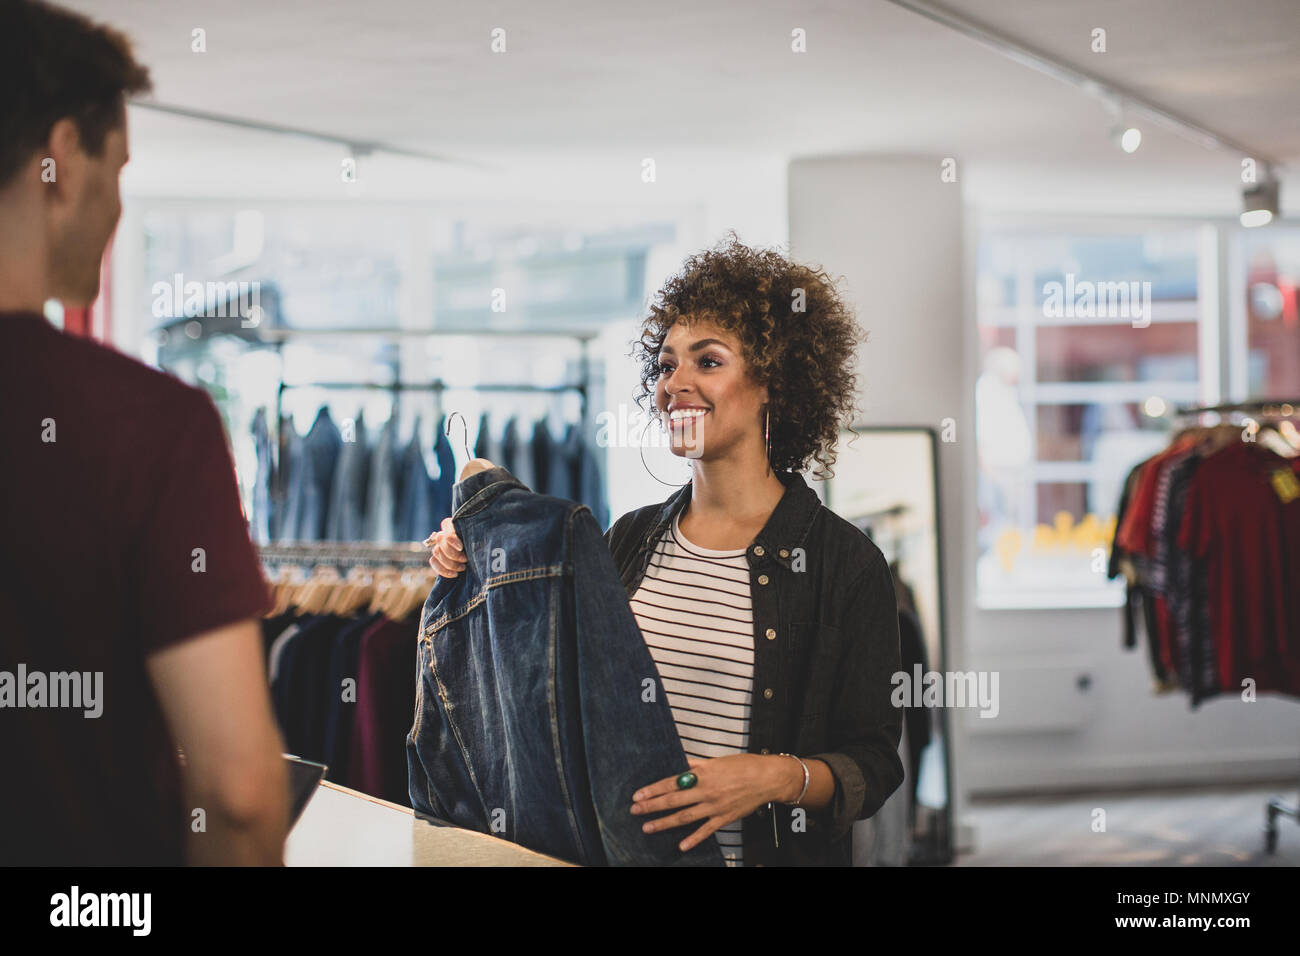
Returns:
point(804, 357)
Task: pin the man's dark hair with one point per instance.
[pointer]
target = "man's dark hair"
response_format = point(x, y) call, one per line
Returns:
point(55, 63)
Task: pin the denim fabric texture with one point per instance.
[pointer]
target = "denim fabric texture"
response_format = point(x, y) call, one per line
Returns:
point(381, 495)
point(591, 485)
point(295, 470)
point(563, 460)
point(415, 493)
point(320, 454)
point(826, 646)
point(488, 443)
point(446, 481)
point(540, 448)
point(516, 455)
point(347, 511)
point(539, 711)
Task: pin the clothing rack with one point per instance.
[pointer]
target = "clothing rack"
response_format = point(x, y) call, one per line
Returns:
point(1277, 407)
point(1264, 408)
point(342, 554)
point(437, 387)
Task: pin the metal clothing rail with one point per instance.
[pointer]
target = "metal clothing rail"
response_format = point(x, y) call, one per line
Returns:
point(437, 387)
point(1279, 407)
point(342, 553)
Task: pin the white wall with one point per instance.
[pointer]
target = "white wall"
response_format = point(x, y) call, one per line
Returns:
point(893, 230)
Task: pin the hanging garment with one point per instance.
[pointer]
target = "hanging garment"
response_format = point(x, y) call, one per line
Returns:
point(541, 447)
point(561, 480)
point(295, 475)
point(260, 523)
point(442, 488)
point(381, 493)
point(341, 694)
point(591, 485)
point(1187, 592)
point(539, 711)
point(311, 480)
point(323, 445)
point(916, 720)
point(347, 511)
point(488, 443)
point(1242, 517)
point(414, 493)
point(385, 701)
point(516, 454)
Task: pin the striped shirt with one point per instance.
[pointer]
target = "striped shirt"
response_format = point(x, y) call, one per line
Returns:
point(696, 615)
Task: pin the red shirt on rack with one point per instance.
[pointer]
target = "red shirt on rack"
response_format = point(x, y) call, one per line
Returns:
point(1134, 535)
point(1241, 517)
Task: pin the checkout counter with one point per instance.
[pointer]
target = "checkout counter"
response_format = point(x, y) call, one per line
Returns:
point(342, 827)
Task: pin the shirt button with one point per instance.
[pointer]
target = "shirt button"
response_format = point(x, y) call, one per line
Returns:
point(771, 634)
point(758, 550)
point(767, 693)
point(785, 553)
point(762, 579)
point(762, 750)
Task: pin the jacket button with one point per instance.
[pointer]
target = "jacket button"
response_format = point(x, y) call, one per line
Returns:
point(762, 579)
point(767, 693)
point(785, 553)
point(762, 750)
point(771, 634)
point(758, 550)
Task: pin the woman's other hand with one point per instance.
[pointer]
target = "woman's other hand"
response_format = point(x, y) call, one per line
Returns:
point(448, 556)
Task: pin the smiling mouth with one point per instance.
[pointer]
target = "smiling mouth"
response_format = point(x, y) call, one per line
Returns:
point(685, 419)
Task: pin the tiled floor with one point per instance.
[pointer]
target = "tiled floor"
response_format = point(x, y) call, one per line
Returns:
point(1205, 826)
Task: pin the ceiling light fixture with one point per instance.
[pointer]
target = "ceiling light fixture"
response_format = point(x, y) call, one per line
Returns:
point(1089, 84)
point(1259, 201)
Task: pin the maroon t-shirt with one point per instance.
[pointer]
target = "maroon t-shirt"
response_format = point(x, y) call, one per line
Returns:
point(123, 535)
point(1244, 520)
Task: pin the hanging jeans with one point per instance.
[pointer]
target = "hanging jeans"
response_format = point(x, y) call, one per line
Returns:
point(539, 711)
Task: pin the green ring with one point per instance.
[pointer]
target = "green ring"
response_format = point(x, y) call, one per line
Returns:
point(687, 780)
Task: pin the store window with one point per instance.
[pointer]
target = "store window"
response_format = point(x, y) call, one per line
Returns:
point(1267, 274)
point(361, 309)
point(1088, 342)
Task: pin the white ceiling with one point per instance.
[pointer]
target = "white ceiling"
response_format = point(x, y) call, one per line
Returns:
point(587, 89)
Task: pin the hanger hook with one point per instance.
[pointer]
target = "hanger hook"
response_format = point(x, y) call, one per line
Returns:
point(464, 431)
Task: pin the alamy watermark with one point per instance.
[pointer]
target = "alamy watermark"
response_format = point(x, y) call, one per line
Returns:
point(82, 690)
point(1098, 300)
point(946, 689)
point(179, 298)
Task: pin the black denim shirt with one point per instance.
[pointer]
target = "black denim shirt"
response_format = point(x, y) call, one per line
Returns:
point(825, 650)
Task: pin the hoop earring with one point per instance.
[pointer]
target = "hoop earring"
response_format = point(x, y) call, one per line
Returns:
point(641, 449)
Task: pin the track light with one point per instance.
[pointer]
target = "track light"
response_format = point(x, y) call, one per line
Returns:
point(1127, 138)
point(1259, 202)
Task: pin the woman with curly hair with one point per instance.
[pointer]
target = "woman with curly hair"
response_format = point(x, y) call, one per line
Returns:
point(772, 620)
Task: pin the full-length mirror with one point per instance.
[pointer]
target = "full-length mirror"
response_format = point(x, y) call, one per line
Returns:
point(886, 483)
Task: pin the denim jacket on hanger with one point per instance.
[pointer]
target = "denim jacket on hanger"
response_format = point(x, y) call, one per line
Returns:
point(539, 710)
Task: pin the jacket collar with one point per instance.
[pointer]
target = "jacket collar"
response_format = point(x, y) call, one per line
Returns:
point(786, 529)
point(475, 492)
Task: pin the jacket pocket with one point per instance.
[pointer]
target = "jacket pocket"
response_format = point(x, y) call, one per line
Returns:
point(815, 650)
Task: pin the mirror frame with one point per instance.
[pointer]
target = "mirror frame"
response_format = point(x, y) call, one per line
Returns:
point(939, 851)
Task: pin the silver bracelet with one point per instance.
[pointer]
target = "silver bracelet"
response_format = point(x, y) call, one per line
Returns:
point(806, 777)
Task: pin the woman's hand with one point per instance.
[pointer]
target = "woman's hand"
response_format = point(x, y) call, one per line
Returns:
point(728, 788)
point(448, 557)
